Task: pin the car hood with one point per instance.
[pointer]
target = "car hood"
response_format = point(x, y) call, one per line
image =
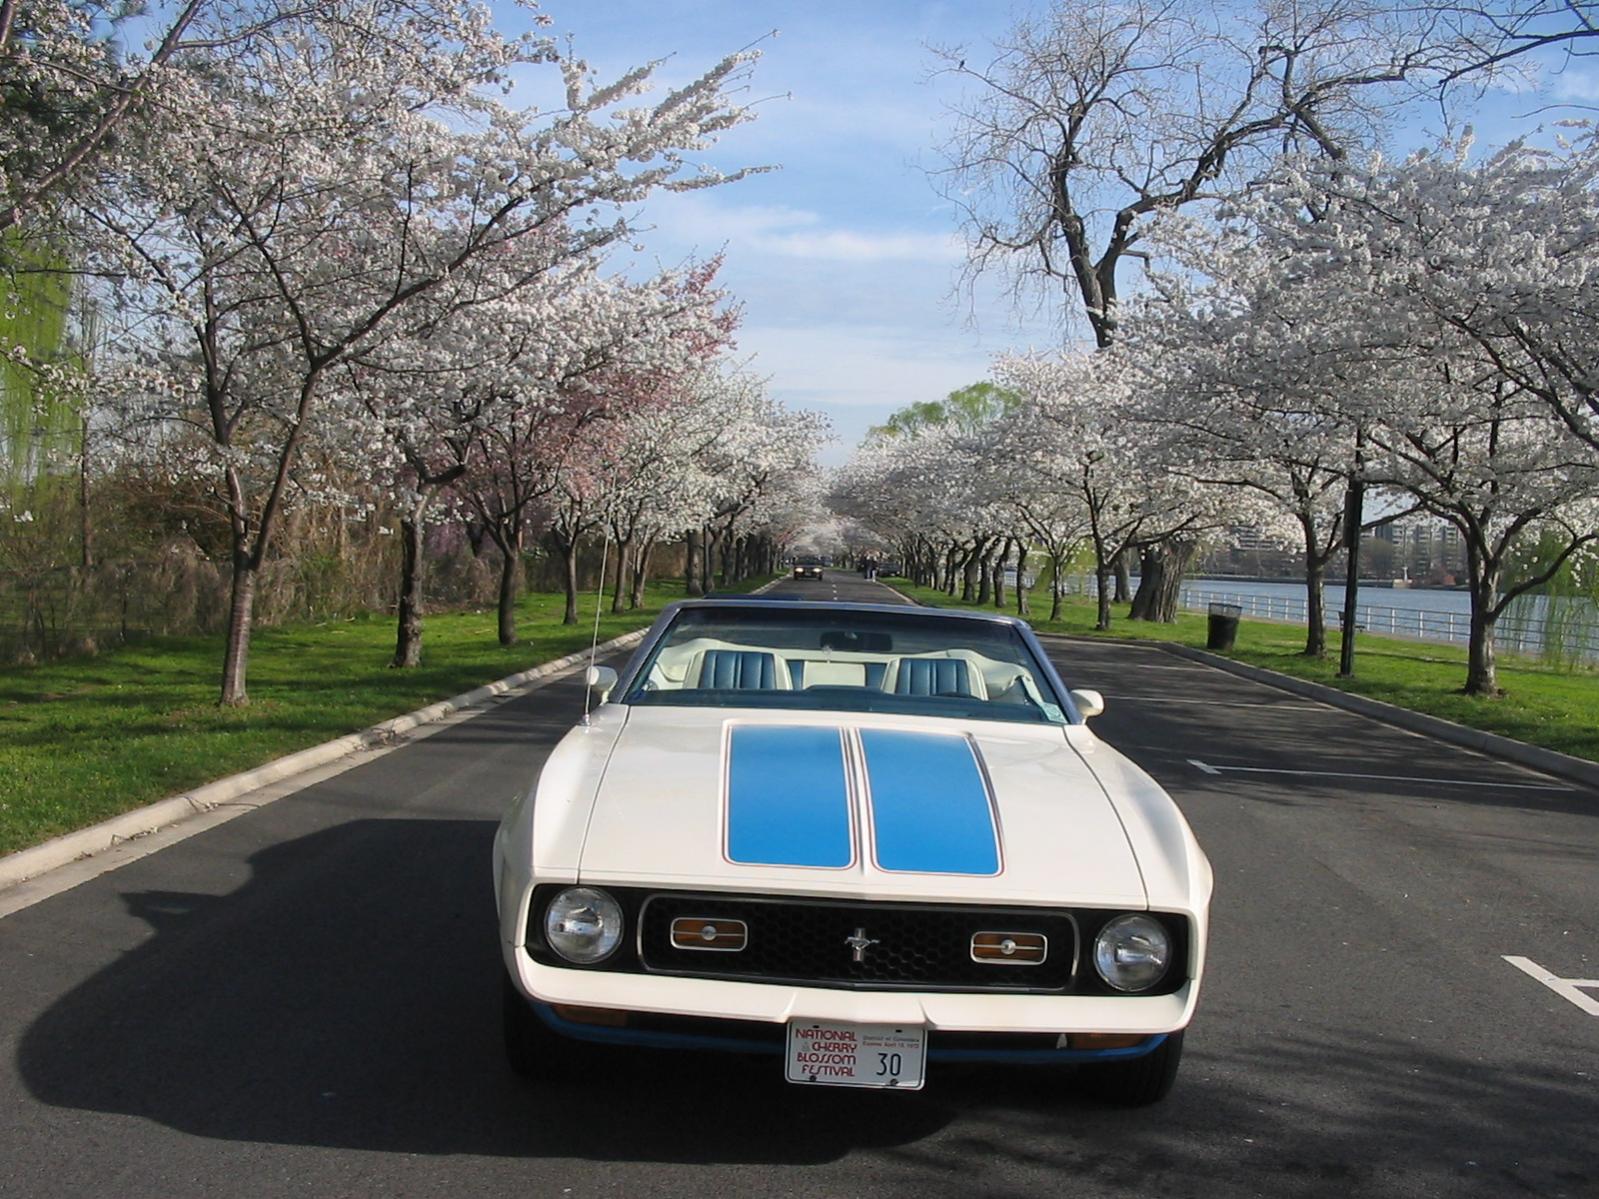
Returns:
point(858, 806)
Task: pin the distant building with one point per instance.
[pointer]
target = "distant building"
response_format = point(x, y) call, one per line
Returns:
point(1424, 549)
point(1247, 552)
point(1420, 549)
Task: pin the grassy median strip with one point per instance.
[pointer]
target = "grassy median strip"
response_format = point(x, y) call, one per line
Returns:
point(86, 739)
point(1542, 705)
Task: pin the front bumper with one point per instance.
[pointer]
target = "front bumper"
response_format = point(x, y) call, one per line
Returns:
point(704, 1034)
point(776, 1003)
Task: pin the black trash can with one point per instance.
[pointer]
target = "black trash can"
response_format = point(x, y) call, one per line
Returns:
point(1223, 626)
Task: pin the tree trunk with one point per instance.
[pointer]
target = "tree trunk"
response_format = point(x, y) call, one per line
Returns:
point(1354, 517)
point(621, 574)
point(1149, 582)
point(1482, 676)
point(707, 550)
point(1124, 581)
point(1315, 605)
point(1161, 570)
point(974, 562)
point(641, 573)
point(691, 556)
point(408, 634)
point(1021, 577)
point(510, 572)
point(1315, 587)
point(1056, 587)
point(241, 611)
point(569, 559)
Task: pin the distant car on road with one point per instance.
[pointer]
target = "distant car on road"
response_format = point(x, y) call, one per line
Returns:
point(863, 839)
point(807, 568)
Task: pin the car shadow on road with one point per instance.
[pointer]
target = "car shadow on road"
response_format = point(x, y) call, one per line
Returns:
point(348, 995)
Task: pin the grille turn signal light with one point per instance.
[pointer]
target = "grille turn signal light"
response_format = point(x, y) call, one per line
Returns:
point(703, 932)
point(1010, 949)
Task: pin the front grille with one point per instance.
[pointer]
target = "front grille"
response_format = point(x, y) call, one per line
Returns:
point(914, 946)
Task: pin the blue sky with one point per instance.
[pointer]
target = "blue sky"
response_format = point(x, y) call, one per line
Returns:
point(846, 258)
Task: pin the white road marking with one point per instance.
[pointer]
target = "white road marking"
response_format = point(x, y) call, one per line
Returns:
point(1392, 778)
point(1566, 988)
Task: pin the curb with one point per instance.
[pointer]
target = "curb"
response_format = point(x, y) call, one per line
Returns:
point(29, 863)
point(1566, 766)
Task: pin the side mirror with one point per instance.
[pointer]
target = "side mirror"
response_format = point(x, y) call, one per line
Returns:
point(601, 679)
point(1087, 703)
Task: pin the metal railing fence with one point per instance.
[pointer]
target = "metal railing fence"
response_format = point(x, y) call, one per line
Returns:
point(1534, 627)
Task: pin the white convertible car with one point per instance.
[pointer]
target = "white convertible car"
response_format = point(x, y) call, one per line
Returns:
point(864, 839)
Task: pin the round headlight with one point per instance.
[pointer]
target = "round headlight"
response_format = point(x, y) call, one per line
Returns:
point(583, 925)
point(1132, 953)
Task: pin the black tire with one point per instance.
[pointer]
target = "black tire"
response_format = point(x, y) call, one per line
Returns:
point(1139, 1082)
point(532, 1048)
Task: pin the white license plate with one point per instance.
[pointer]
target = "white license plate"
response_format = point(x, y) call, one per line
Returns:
point(856, 1055)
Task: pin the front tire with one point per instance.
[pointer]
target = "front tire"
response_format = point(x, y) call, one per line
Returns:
point(1141, 1081)
point(533, 1049)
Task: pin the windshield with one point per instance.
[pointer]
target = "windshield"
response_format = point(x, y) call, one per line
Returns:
point(840, 660)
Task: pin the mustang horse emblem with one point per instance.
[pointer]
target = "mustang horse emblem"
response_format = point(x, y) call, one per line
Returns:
point(860, 943)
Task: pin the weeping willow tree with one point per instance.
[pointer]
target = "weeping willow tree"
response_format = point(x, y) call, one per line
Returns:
point(1562, 616)
point(40, 430)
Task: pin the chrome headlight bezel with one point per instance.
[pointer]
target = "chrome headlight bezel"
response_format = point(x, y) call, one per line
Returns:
point(1133, 953)
point(583, 925)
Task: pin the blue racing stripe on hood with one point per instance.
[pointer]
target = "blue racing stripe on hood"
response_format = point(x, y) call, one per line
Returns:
point(787, 798)
point(931, 811)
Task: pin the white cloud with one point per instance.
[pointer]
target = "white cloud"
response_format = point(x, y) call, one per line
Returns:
point(783, 232)
point(1573, 83)
point(877, 368)
point(859, 376)
point(846, 245)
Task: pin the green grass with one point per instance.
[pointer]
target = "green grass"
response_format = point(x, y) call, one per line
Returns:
point(1541, 705)
point(86, 739)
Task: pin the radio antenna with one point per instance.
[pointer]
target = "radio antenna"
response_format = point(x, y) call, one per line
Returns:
point(594, 641)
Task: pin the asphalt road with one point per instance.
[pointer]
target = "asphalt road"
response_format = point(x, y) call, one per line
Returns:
point(304, 1001)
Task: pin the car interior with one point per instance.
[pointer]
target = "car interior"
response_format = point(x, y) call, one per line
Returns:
point(729, 670)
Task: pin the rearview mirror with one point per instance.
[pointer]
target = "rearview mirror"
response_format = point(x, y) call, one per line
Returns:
point(1088, 703)
point(601, 679)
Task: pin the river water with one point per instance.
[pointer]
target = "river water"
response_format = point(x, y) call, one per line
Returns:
point(1425, 599)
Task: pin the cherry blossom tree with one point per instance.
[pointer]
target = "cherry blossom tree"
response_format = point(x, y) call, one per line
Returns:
point(353, 167)
point(1408, 262)
point(531, 376)
point(1094, 118)
point(1077, 405)
point(66, 85)
point(764, 449)
point(1234, 364)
